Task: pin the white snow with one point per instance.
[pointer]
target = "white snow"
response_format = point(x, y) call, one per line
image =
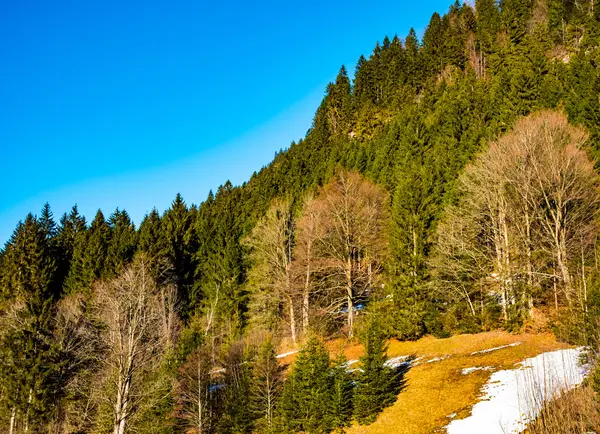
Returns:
point(395, 362)
point(512, 398)
point(281, 356)
point(489, 350)
point(437, 359)
point(467, 371)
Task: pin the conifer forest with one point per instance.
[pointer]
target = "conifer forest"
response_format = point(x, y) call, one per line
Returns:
point(450, 186)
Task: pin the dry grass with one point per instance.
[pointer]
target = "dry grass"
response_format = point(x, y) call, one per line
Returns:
point(576, 411)
point(436, 390)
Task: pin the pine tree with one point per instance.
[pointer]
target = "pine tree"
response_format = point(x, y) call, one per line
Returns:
point(238, 416)
point(377, 385)
point(488, 23)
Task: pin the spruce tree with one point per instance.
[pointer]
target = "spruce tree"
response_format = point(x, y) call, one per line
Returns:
point(29, 359)
point(307, 392)
point(177, 227)
point(121, 245)
point(71, 226)
point(89, 256)
point(238, 416)
point(342, 390)
point(152, 241)
point(377, 384)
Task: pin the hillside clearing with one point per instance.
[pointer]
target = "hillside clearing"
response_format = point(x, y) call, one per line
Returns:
point(436, 390)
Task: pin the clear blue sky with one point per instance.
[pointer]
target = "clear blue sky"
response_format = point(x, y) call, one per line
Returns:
point(125, 103)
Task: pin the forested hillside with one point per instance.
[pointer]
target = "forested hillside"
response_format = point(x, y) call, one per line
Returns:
point(450, 187)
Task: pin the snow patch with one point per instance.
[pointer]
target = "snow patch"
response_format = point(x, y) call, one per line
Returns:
point(395, 362)
point(281, 356)
point(489, 350)
point(512, 398)
point(467, 371)
point(437, 359)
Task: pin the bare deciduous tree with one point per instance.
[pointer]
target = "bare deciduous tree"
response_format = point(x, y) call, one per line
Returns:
point(528, 209)
point(304, 265)
point(197, 391)
point(130, 311)
point(352, 217)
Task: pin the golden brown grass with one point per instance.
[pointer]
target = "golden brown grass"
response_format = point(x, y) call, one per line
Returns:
point(575, 411)
point(436, 390)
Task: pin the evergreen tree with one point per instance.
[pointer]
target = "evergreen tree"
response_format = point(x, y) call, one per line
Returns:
point(413, 62)
point(342, 390)
point(152, 241)
point(488, 23)
point(122, 243)
point(377, 385)
point(238, 416)
point(307, 392)
point(71, 226)
point(89, 256)
point(28, 358)
point(178, 228)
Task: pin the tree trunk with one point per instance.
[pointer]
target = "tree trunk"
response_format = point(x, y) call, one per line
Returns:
point(500, 271)
point(13, 416)
point(530, 282)
point(122, 400)
point(415, 254)
point(349, 294)
point(305, 309)
point(200, 388)
point(29, 400)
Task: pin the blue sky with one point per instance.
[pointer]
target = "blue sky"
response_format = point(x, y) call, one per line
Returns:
point(125, 103)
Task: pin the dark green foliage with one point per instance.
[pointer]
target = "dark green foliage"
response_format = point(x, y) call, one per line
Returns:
point(122, 244)
point(377, 385)
point(152, 241)
point(342, 389)
point(177, 225)
point(71, 226)
point(238, 416)
point(29, 358)
point(89, 256)
point(487, 22)
point(219, 273)
point(307, 392)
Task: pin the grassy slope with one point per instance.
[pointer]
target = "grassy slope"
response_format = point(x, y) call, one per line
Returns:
point(438, 389)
